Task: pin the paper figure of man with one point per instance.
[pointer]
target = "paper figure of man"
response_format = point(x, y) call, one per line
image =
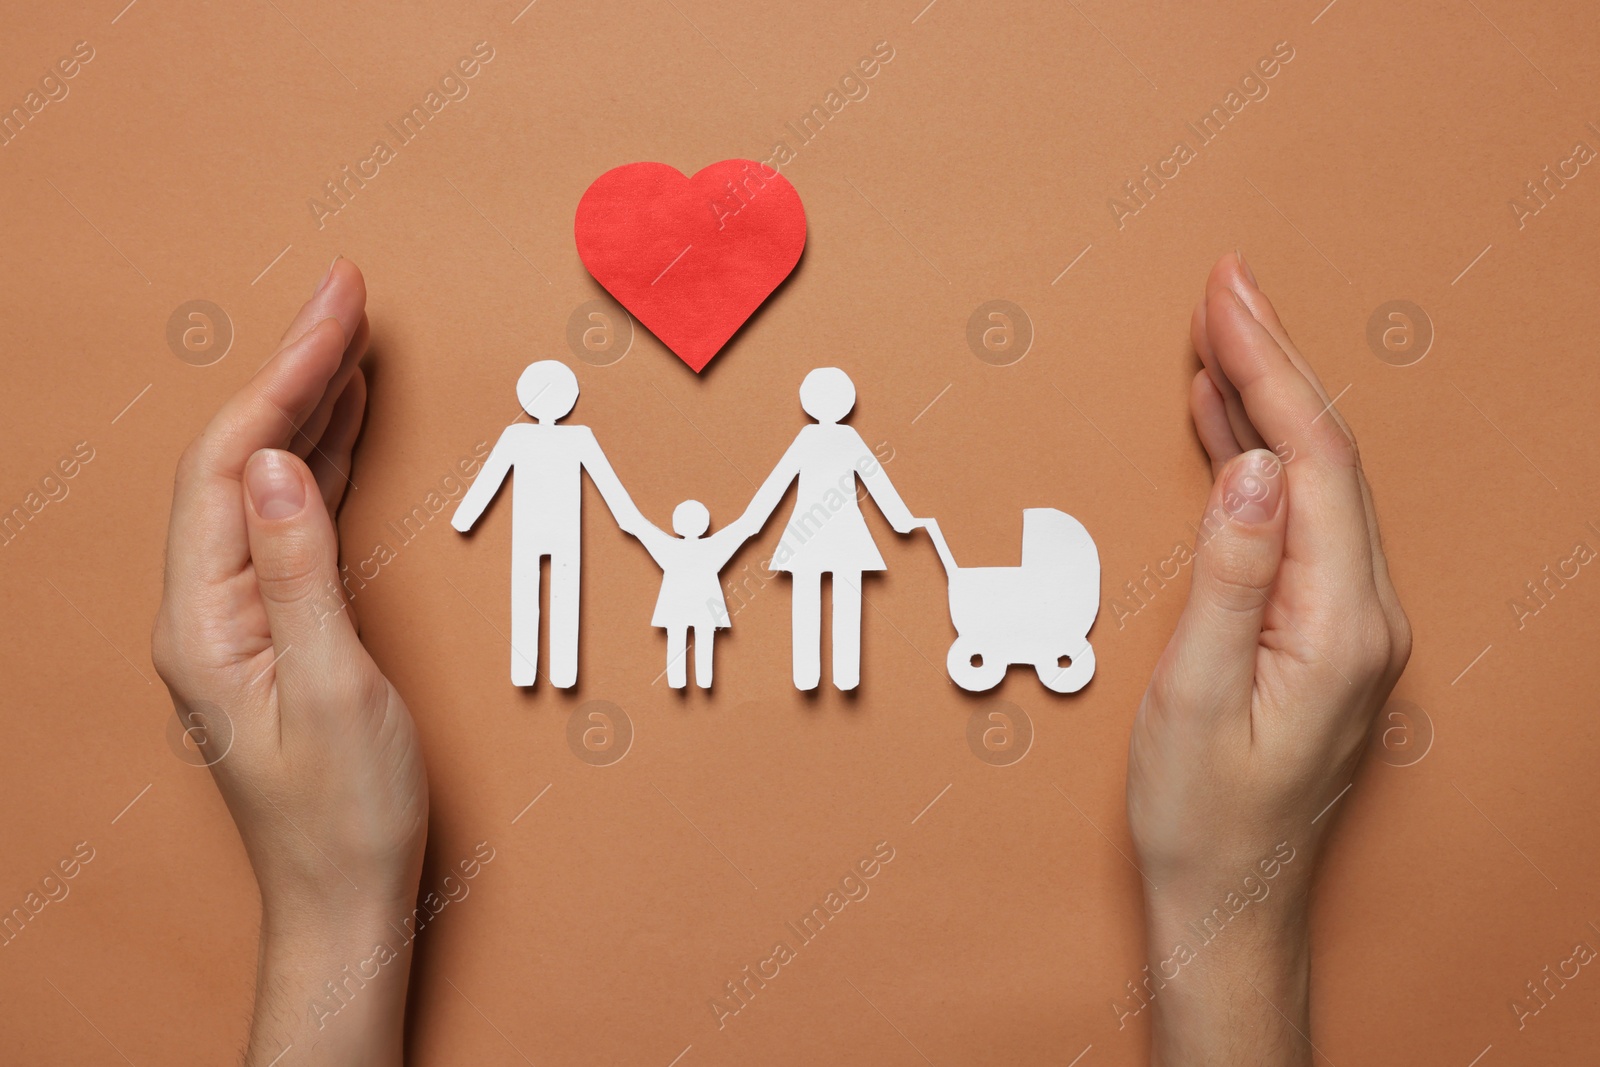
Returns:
point(547, 499)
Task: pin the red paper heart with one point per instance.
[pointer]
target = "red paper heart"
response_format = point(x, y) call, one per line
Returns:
point(691, 258)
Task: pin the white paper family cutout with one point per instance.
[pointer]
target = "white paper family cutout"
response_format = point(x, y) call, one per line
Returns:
point(1037, 614)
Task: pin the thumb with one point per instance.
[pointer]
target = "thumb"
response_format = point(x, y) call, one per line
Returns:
point(1238, 551)
point(295, 552)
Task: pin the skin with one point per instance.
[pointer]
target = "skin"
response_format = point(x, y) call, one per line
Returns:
point(1253, 722)
point(323, 775)
point(1260, 707)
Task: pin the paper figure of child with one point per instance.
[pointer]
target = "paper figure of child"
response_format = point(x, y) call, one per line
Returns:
point(691, 589)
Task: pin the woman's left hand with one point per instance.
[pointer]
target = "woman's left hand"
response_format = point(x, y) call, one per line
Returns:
point(311, 747)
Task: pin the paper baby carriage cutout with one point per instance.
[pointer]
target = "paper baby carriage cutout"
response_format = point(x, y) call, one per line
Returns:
point(1038, 613)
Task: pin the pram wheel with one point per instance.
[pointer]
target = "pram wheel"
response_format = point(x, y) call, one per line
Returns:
point(1071, 676)
point(971, 669)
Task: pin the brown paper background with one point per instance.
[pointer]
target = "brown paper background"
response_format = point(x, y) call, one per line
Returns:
point(1378, 168)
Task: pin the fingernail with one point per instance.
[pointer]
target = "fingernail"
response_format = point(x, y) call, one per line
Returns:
point(1248, 273)
point(1254, 488)
point(276, 491)
point(323, 284)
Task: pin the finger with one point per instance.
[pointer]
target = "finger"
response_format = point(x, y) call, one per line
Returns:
point(1233, 272)
point(1236, 274)
point(1329, 528)
point(308, 438)
point(1281, 403)
point(1210, 416)
point(342, 295)
point(1237, 556)
point(294, 552)
point(1243, 432)
point(330, 464)
point(1388, 596)
point(206, 539)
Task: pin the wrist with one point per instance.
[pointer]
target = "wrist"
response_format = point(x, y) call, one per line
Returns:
point(295, 929)
point(332, 981)
point(1227, 977)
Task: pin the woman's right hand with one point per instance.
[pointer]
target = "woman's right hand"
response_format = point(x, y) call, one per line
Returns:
point(1260, 707)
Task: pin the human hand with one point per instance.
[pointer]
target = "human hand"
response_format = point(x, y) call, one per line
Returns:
point(1260, 706)
point(323, 774)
